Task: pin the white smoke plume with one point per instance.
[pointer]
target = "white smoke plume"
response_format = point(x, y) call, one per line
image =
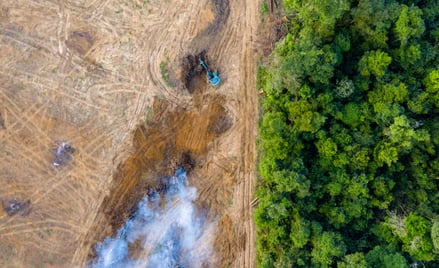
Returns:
point(168, 228)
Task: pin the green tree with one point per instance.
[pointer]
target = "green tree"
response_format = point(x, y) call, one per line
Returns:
point(418, 240)
point(374, 63)
point(321, 16)
point(372, 20)
point(327, 148)
point(393, 92)
point(409, 24)
point(305, 116)
point(356, 260)
point(401, 133)
point(385, 153)
point(342, 40)
point(385, 258)
point(431, 83)
point(300, 232)
point(435, 235)
point(360, 159)
point(408, 56)
point(382, 192)
point(274, 135)
point(386, 112)
point(327, 247)
point(351, 114)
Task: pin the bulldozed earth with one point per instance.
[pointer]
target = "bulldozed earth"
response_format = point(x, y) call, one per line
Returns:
point(101, 100)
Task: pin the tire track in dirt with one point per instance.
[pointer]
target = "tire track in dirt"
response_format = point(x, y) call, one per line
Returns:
point(27, 117)
point(44, 247)
point(27, 121)
point(232, 47)
point(251, 113)
point(247, 113)
point(80, 98)
point(140, 103)
point(140, 42)
point(37, 225)
point(32, 43)
point(32, 230)
point(33, 157)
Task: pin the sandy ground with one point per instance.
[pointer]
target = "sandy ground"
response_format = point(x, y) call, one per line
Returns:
point(90, 73)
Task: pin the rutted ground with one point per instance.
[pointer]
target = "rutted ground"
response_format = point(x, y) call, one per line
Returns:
point(89, 73)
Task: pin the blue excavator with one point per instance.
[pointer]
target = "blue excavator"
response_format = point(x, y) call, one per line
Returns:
point(213, 77)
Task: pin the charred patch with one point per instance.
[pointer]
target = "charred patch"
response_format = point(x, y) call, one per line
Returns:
point(193, 75)
point(187, 161)
point(222, 12)
point(209, 37)
point(13, 207)
point(62, 154)
point(192, 72)
point(175, 137)
point(220, 124)
point(80, 41)
point(2, 122)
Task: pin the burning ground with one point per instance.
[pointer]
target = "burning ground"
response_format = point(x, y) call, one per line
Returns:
point(176, 136)
point(167, 230)
point(89, 74)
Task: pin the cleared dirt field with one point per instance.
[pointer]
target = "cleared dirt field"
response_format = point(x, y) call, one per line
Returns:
point(108, 77)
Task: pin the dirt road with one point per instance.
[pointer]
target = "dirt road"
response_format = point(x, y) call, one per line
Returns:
point(88, 73)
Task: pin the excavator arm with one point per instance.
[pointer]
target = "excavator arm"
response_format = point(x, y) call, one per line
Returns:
point(213, 77)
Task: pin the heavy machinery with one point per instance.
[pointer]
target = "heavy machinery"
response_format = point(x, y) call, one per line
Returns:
point(213, 77)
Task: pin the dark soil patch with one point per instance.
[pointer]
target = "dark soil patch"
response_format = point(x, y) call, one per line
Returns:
point(2, 122)
point(193, 75)
point(62, 154)
point(272, 5)
point(273, 29)
point(80, 41)
point(222, 12)
point(211, 35)
point(220, 124)
point(187, 161)
point(13, 207)
point(176, 136)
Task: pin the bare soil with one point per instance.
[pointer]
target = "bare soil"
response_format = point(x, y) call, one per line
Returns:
point(89, 74)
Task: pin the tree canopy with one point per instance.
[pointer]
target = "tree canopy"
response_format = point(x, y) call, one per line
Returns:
point(349, 137)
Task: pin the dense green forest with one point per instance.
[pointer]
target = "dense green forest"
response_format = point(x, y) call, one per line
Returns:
point(349, 137)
